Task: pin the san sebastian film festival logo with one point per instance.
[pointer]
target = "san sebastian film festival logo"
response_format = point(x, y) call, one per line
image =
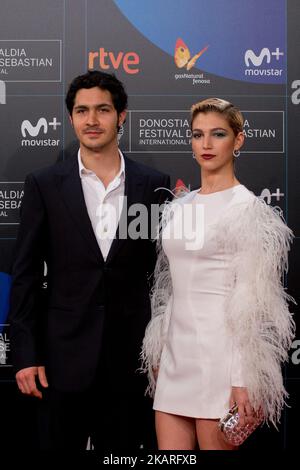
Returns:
point(184, 59)
point(33, 133)
point(10, 202)
point(264, 63)
point(30, 60)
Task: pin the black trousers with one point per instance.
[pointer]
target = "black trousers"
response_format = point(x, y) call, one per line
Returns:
point(115, 419)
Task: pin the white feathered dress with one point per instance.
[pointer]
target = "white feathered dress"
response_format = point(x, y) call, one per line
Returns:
point(219, 311)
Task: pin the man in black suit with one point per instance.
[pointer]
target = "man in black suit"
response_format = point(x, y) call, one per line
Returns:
point(77, 347)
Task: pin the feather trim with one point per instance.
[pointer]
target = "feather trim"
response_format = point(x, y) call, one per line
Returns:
point(161, 306)
point(257, 312)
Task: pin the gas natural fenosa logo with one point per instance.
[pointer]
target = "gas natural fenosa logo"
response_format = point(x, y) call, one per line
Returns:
point(184, 60)
point(183, 56)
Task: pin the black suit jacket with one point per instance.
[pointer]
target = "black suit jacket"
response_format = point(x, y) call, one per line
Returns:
point(94, 312)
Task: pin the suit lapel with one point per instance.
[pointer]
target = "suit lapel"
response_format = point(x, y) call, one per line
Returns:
point(72, 194)
point(134, 185)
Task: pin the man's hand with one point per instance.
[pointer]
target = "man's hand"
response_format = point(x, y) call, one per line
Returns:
point(26, 380)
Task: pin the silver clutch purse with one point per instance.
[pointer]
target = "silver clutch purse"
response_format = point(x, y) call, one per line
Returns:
point(230, 430)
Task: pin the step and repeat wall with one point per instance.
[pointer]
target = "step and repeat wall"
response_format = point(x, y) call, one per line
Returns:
point(169, 54)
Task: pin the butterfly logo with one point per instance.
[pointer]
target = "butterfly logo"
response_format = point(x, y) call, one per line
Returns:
point(182, 55)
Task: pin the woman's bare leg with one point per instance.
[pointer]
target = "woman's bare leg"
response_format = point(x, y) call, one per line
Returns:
point(175, 432)
point(210, 437)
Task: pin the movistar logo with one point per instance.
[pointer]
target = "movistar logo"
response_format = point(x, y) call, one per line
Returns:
point(26, 126)
point(256, 64)
point(265, 54)
point(42, 126)
point(257, 59)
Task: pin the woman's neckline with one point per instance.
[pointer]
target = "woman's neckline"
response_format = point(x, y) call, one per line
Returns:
point(217, 192)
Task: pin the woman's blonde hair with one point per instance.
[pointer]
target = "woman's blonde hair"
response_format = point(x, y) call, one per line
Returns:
point(232, 114)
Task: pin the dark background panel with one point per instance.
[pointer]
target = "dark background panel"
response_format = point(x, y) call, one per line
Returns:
point(292, 413)
point(6, 254)
point(38, 21)
point(293, 368)
point(293, 107)
point(74, 47)
point(18, 418)
point(293, 176)
point(25, 152)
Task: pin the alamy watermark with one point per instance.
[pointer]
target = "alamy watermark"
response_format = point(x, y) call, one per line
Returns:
point(184, 222)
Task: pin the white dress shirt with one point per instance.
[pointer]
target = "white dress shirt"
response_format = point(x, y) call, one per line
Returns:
point(104, 206)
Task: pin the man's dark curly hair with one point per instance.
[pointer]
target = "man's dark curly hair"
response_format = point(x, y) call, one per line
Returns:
point(105, 81)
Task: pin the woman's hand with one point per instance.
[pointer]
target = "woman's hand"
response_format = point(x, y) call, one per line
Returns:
point(239, 396)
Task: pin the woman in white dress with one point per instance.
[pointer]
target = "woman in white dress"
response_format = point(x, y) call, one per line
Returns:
point(220, 325)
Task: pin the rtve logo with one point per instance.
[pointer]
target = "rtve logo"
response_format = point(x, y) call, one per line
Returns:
point(265, 54)
point(129, 61)
point(27, 129)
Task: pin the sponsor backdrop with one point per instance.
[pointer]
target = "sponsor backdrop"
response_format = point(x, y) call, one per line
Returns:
point(169, 54)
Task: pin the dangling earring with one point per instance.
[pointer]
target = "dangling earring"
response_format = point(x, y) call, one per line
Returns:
point(120, 133)
point(193, 155)
point(236, 153)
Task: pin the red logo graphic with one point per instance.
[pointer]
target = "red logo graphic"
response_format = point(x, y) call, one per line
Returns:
point(107, 60)
point(180, 186)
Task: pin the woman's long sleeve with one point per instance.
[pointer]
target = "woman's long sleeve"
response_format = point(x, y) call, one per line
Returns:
point(257, 312)
point(161, 306)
